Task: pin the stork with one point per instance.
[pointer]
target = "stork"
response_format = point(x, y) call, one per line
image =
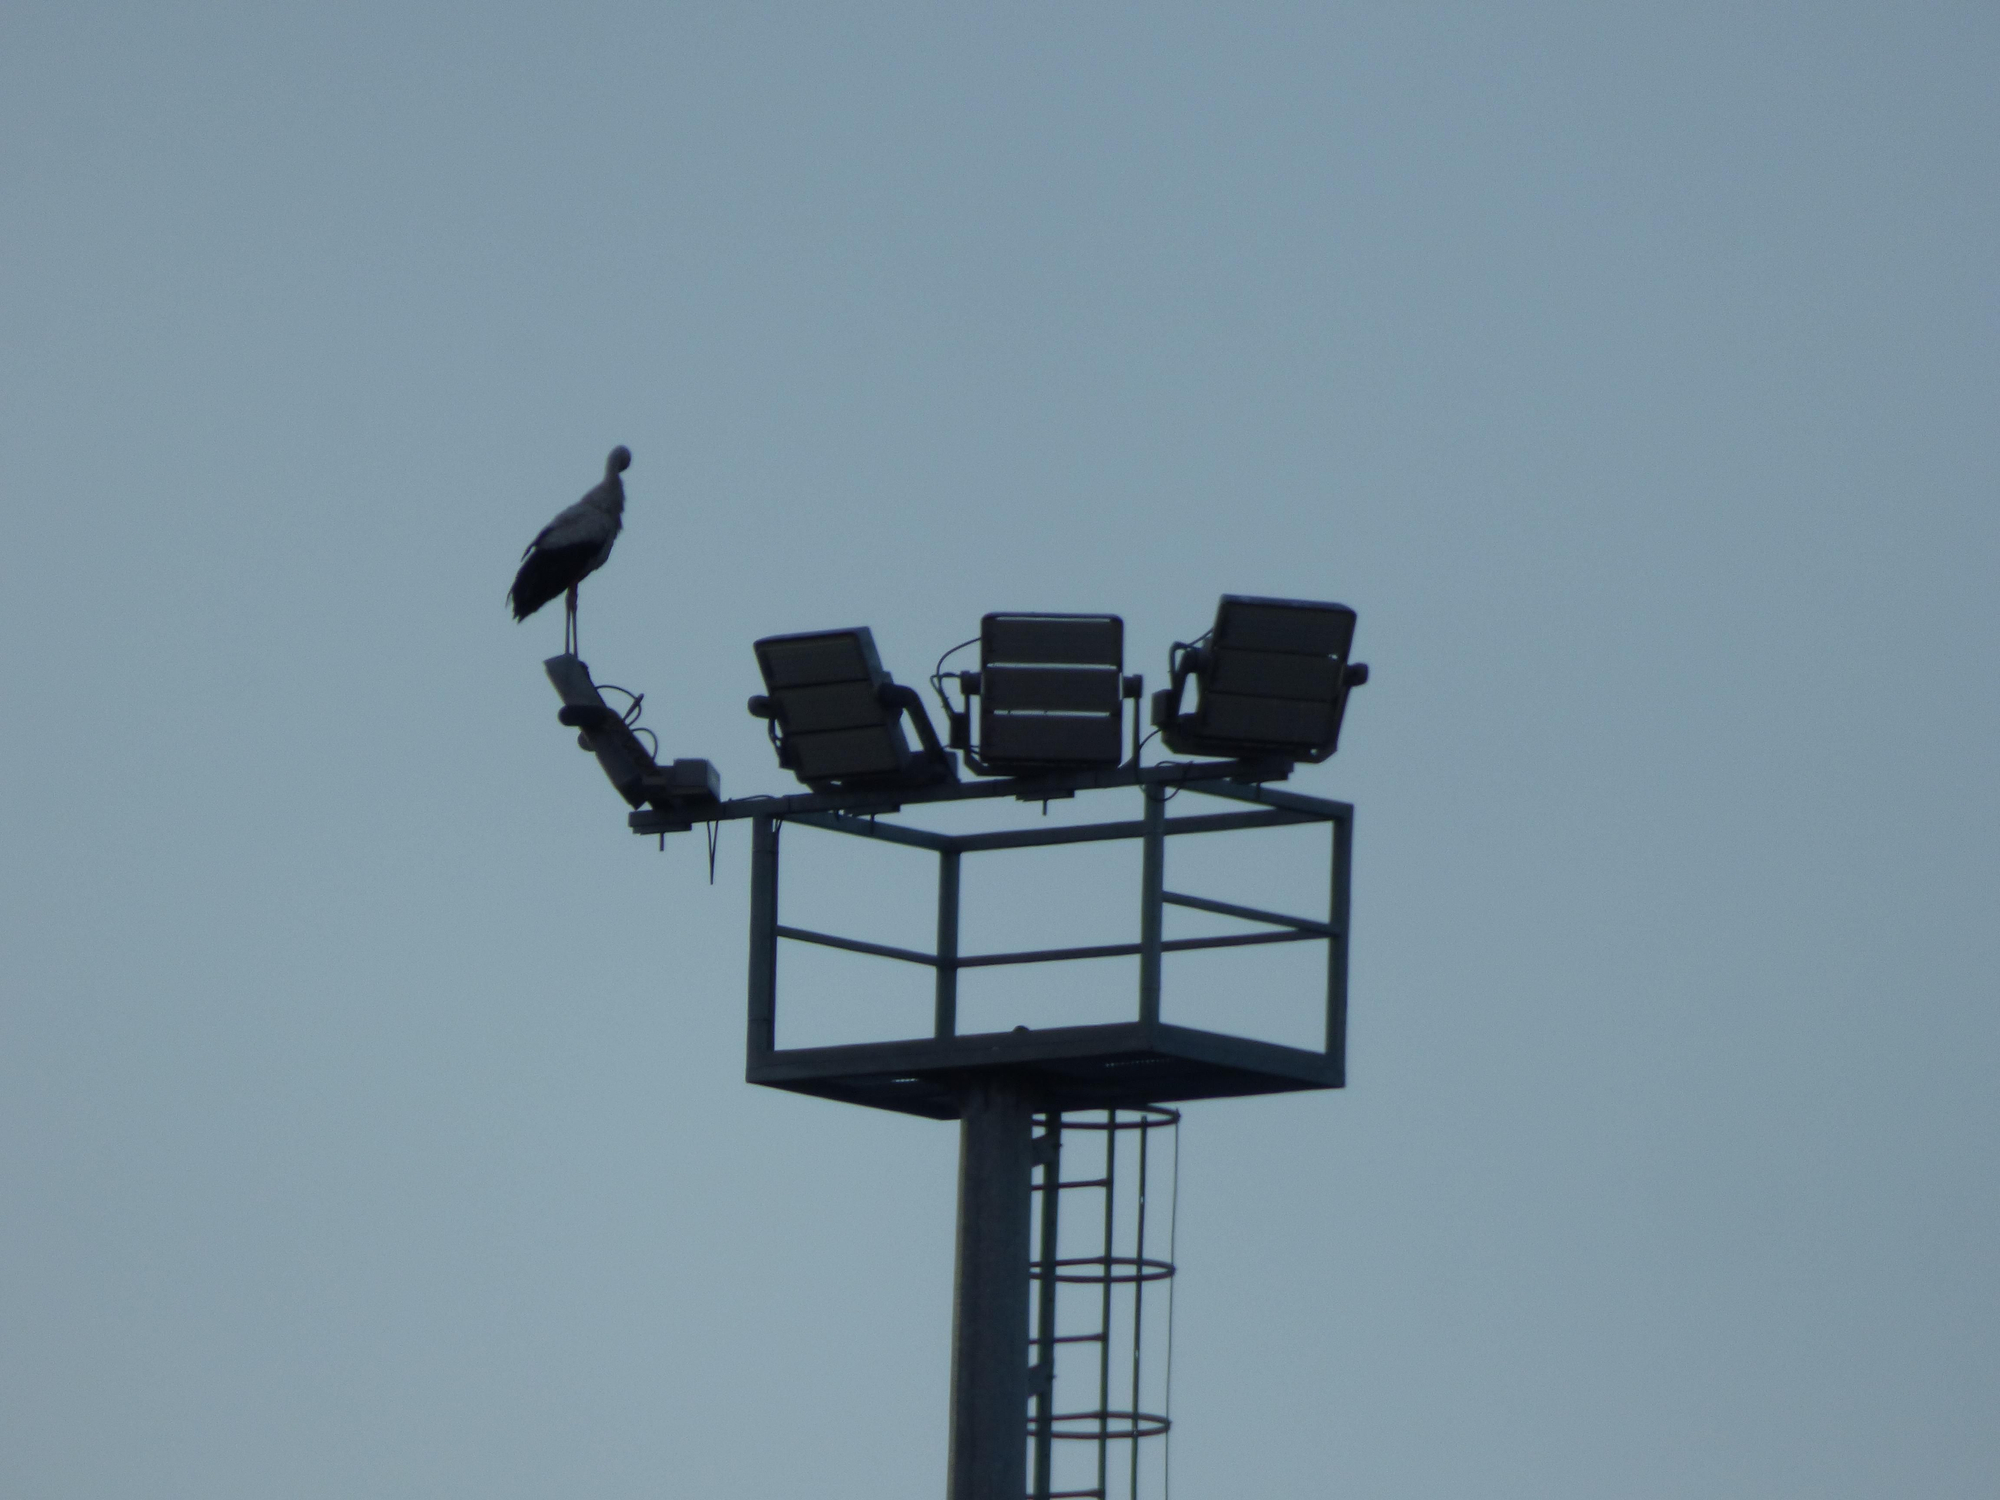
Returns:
point(572, 547)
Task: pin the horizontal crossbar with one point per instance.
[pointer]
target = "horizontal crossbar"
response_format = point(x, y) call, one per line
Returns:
point(871, 828)
point(855, 945)
point(1213, 778)
point(1043, 955)
point(1036, 838)
point(1247, 913)
point(1132, 950)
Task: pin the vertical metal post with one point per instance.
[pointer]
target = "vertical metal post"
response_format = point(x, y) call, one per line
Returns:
point(1336, 948)
point(947, 943)
point(1139, 1294)
point(763, 937)
point(1050, 1147)
point(989, 1355)
point(1152, 882)
point(1104, 1307)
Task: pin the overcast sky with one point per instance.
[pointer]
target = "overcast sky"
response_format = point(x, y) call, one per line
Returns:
point(371, 1108)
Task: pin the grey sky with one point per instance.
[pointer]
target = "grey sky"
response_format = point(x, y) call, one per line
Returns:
point(371, 1115)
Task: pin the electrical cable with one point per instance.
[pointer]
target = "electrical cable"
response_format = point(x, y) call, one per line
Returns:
point(631, 715)
point(937, 676)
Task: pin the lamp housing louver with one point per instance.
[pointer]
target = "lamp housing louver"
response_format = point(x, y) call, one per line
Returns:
point(1051, 690)
point(836, 716)
point(1272, 678)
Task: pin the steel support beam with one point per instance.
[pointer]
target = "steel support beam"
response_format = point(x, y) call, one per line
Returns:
point(1336, 951)
point(763, 1039)
point(989, 1335)
point(1152, 880)
point(944, 1020)
point(1207, 775)
point(1049, 1154)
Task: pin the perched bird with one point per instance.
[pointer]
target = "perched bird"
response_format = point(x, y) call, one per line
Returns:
point(572, 547)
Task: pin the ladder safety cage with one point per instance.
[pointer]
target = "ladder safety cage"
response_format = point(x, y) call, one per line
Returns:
point(1099, 1339)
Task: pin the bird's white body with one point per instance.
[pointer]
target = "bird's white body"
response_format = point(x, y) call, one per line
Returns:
point(594, 521)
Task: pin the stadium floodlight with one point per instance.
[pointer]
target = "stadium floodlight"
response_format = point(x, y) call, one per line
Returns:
point(1050, 690)
point(614, 739)
point(1273, 677)
point(835, 715)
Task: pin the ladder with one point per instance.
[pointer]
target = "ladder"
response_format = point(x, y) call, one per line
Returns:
point(1097, 1238)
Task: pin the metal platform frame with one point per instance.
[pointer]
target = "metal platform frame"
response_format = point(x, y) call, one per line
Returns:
point(1142, 1061)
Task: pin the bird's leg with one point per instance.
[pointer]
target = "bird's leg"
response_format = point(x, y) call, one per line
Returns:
point(570, 642)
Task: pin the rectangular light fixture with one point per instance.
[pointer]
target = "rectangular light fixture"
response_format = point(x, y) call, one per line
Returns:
point(1272, 677)
point(836, 715)
point(1050, 688)
point(628, 764)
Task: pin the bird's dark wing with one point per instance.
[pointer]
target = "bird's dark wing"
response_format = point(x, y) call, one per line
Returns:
point(568, 548)
point(548, 571)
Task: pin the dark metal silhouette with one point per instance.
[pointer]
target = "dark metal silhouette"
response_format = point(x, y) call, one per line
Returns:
point(1272, 677)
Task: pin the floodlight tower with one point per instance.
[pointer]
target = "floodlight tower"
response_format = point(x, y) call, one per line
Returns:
point(1272, 678)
